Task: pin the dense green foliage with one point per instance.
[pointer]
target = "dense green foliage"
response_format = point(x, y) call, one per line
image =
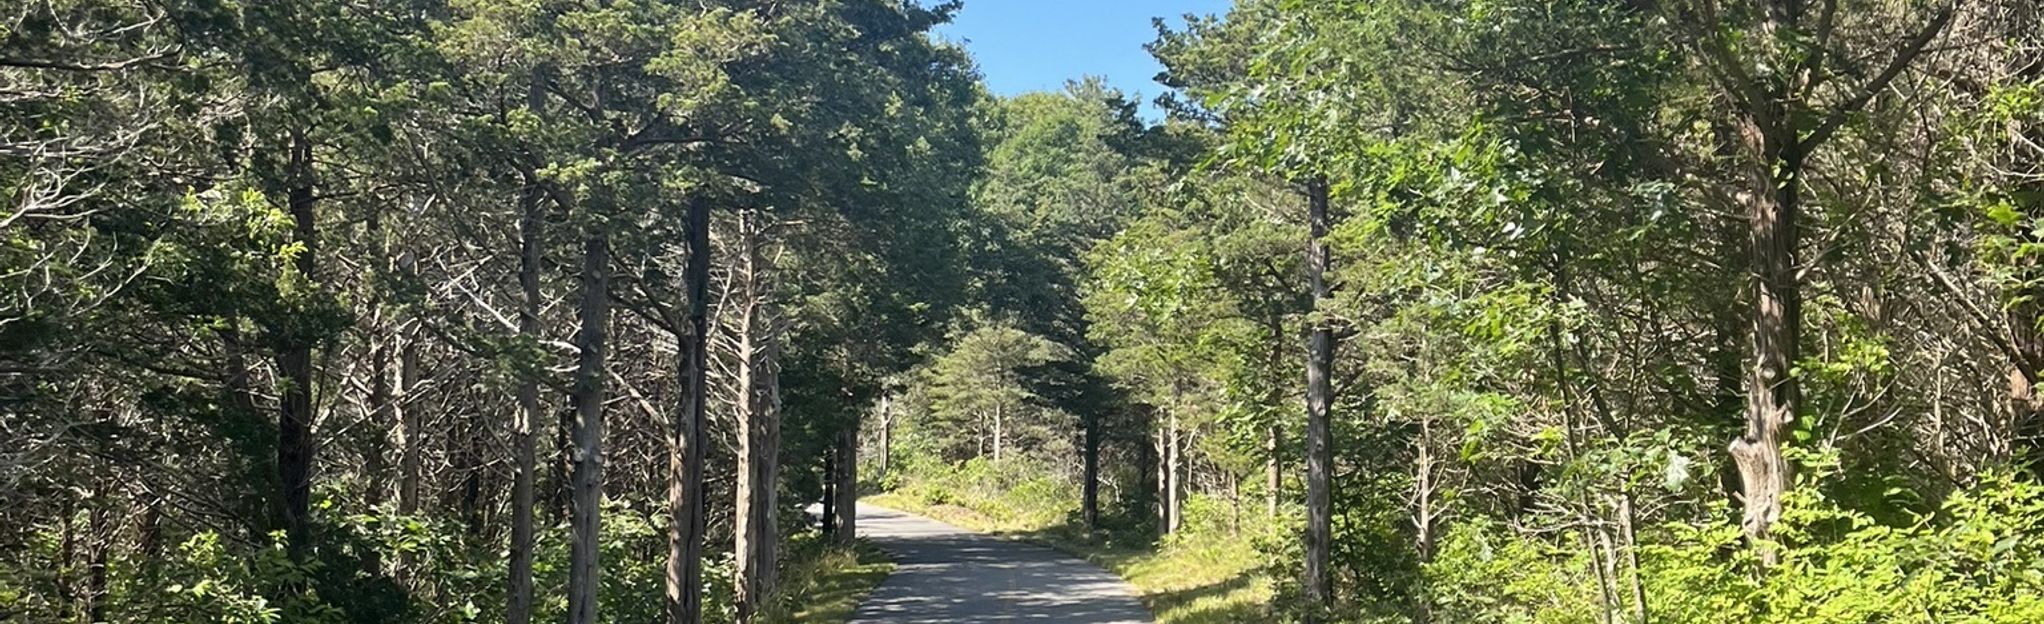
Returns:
point(297, 292)
point(1577, 248)
point(1647, 311)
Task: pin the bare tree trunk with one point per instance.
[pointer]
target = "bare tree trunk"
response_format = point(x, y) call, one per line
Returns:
point(1089, 494)
point(294, 365)
point(67, 553)
point(587, 485)
point(1273, 473)
point(1273, 443)
point(1772, 212)
point(1319, 582)
point(770, 427)
point(886, 434)
point(1626, 522)
point(561, 492)
point(474, 470)
point(847, 485)
point(685, 455)
point(380, 400)
point(410, 437)
point(100, 528)
point(999, 432)
point(1163, 480)
point(524, 446)
point(759, 437)
point(829, 520)
point(1606, 559)
point(1174, 475)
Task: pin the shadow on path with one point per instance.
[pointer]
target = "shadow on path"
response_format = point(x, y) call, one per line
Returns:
point(946, 574)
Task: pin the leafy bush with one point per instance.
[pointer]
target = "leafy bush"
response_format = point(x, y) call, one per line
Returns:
point(1979, 560)
point(1015, 493)
point(1483, 573)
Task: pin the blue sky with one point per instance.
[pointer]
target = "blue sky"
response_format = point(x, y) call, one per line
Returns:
point(1036, 45)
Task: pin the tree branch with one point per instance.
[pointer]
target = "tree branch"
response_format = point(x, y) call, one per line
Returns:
point(1909, 53)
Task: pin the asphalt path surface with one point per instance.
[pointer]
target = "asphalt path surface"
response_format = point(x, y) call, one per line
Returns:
point(946, 574)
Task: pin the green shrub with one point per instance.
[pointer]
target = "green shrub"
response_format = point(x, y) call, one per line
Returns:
point(1484, 573)
point(1980, 560)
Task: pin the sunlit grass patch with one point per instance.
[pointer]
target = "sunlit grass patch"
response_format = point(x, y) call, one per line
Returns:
point(825, 589)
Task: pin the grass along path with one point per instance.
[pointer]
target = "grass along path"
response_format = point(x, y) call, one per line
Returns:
point(825, 589)
point(1211, 582)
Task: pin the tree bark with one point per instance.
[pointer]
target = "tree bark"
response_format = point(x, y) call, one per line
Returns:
point(1772, 117)
point(1773, 214)
point(829, 520)
point(380, 400)
point(1174, 475)
point(409, 433)
point(100, 529)
point(759, 428)
point(524, 446)
point(847, 485)
point(587, 479)
point(999, 433)
point(561, 490)
point(1162, 476)
point(1318, 580)
point(1273, 443)
point(685, 454)
point(1089, 494)
point(294, 365)
point(410, 437)
point(886, 434)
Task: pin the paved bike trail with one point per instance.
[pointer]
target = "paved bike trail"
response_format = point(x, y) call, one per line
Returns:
point(945, 574)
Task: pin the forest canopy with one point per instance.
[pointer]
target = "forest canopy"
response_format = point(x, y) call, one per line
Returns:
point(1565, 311)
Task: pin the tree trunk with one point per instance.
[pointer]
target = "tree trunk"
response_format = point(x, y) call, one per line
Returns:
point(1318, 580)
point(100, 528)
point(524, 455)
point(759, 437)
point(1273, 443)
point(376, 466)
point(1160, 459)
point(294, 365)
point(474, 469)
point(1626, 523)
point(828, 523)
point(1772, 211)
point(410, 438)
point(1174, 471)
point(1273, 472)
point(587, 479)
point(561, 493)
point(1089, 493)
point(846, 486)
point(685, 452)
point(886, 434)
point(999, 432)
point(409, 433)
point(1774, 137)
